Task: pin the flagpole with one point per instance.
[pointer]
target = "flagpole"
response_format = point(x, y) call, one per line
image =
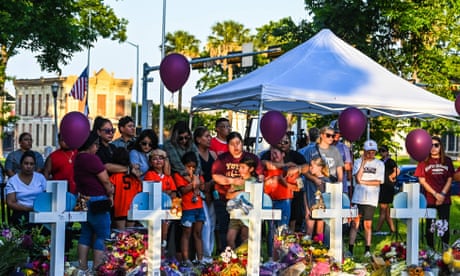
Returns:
point(86, 108)
point(162, 89)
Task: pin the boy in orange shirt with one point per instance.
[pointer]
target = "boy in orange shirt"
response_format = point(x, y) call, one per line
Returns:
point(126, 188)
point(192, 207)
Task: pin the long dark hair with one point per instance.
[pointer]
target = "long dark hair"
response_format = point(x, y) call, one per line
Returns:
point(179, 128)
point(442, 153)
point(146, 133)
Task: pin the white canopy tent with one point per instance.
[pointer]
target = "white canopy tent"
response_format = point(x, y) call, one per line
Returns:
point(325, 75)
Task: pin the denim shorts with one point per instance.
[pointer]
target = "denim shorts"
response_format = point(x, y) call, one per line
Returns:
point(97, 225)
point(191, 216)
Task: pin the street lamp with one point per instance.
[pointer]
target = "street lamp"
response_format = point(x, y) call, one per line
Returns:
point(137, 82)
point(54, 90)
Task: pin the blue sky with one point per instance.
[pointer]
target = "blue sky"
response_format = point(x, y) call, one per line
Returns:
point(145, 28)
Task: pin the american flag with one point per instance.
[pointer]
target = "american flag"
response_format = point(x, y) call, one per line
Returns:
point(80, 86)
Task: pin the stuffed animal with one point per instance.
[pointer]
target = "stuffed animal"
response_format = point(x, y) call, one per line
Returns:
point(319, 201)
point(176, 207)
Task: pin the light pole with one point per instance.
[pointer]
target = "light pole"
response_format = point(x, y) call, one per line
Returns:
point(54, 90)
point(137, 82)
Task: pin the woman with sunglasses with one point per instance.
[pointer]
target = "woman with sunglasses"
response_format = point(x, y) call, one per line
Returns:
point(139, 155)
point(435, 175)
point(180, 142)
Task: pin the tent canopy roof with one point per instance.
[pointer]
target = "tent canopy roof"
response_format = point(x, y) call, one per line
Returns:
point(325, 75)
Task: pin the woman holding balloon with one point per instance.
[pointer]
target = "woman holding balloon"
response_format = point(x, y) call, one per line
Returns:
point(435, 175)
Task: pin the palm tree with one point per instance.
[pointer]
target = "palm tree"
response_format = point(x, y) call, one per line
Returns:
point(227, 36)
point(184, 43)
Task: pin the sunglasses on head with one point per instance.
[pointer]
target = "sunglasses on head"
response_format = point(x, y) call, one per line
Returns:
point(436, 145)
point(182, 138)
point(108, 130)
point(146, 144)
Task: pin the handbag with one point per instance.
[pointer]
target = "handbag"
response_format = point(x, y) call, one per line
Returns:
point(100, 206)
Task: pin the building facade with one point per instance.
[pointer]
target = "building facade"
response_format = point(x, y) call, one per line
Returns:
point(107, 97)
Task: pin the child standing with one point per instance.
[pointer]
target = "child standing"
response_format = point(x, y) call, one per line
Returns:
point(247, 167)
point(192, 207)
point(318, 168)
point(126, 188)
point(157, 172)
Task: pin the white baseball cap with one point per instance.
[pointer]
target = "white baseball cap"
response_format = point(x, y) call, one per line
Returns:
point(370, 145)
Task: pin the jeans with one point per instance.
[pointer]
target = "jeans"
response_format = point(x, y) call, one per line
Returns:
point(208, 229)
point(97, 225)
point(285, 206)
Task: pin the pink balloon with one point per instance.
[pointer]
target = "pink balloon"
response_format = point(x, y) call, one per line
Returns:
point(74, 129)
point(174, 71)
point(352, 123)
point(418, 144)
point(273, 126)
point(457, 104)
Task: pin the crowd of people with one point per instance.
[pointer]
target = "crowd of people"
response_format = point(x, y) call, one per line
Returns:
point(209, 174)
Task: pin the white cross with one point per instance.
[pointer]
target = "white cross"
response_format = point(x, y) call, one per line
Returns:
point(255, 217)
point(411, 205)
point(51, 208)
point(335, 213)
point(154, 214)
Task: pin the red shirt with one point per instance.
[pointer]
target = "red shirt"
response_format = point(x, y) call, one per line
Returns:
point(227, 165)
point(62, 162)
point(218, 146)
point(436, 175)
point(187, 203)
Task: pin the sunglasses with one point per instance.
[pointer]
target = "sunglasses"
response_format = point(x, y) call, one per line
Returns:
point(382, 150)
point(329, 135)
point(182, 138)
point(146, 144)
point(228, 127)
point(436, 145)
point(283, 142)
point(108, 130)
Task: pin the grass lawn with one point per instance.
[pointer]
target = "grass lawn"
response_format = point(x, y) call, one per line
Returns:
point(378, 242)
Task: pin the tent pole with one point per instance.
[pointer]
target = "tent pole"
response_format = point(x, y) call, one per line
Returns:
point(261, 108)
point(368, 124)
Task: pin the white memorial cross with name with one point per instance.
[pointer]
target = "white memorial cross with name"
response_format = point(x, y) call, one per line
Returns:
point(255, 217)
point(411, 205)
point(335, 215)
point(53, 208)
point(154, 214)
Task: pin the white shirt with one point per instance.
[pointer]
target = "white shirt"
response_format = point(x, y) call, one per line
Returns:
point(26, 194)
point(365, 194)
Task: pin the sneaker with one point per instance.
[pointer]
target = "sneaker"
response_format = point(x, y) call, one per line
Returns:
point(187, 263)
point(367, 255)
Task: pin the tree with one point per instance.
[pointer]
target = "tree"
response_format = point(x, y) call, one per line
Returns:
point(54, 30)
point(418, 40)
point(184, 43)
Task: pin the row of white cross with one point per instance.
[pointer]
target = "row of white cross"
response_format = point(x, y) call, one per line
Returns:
point(55, 209)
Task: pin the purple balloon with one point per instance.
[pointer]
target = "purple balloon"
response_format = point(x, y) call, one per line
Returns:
point(352, 123)
point(74, 129)
point(174, 71)
point(273, 126)
point(418, 144)
point(457, 104)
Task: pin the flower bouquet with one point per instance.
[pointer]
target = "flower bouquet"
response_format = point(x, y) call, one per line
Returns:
point(125, 254)
point(24, 251)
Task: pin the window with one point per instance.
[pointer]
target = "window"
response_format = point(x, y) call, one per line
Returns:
point(120, 106)
point(39, 105)
point(32, 105)
point(19, 105)
point(47, 105)
point(101, 104)
point(27, 106)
